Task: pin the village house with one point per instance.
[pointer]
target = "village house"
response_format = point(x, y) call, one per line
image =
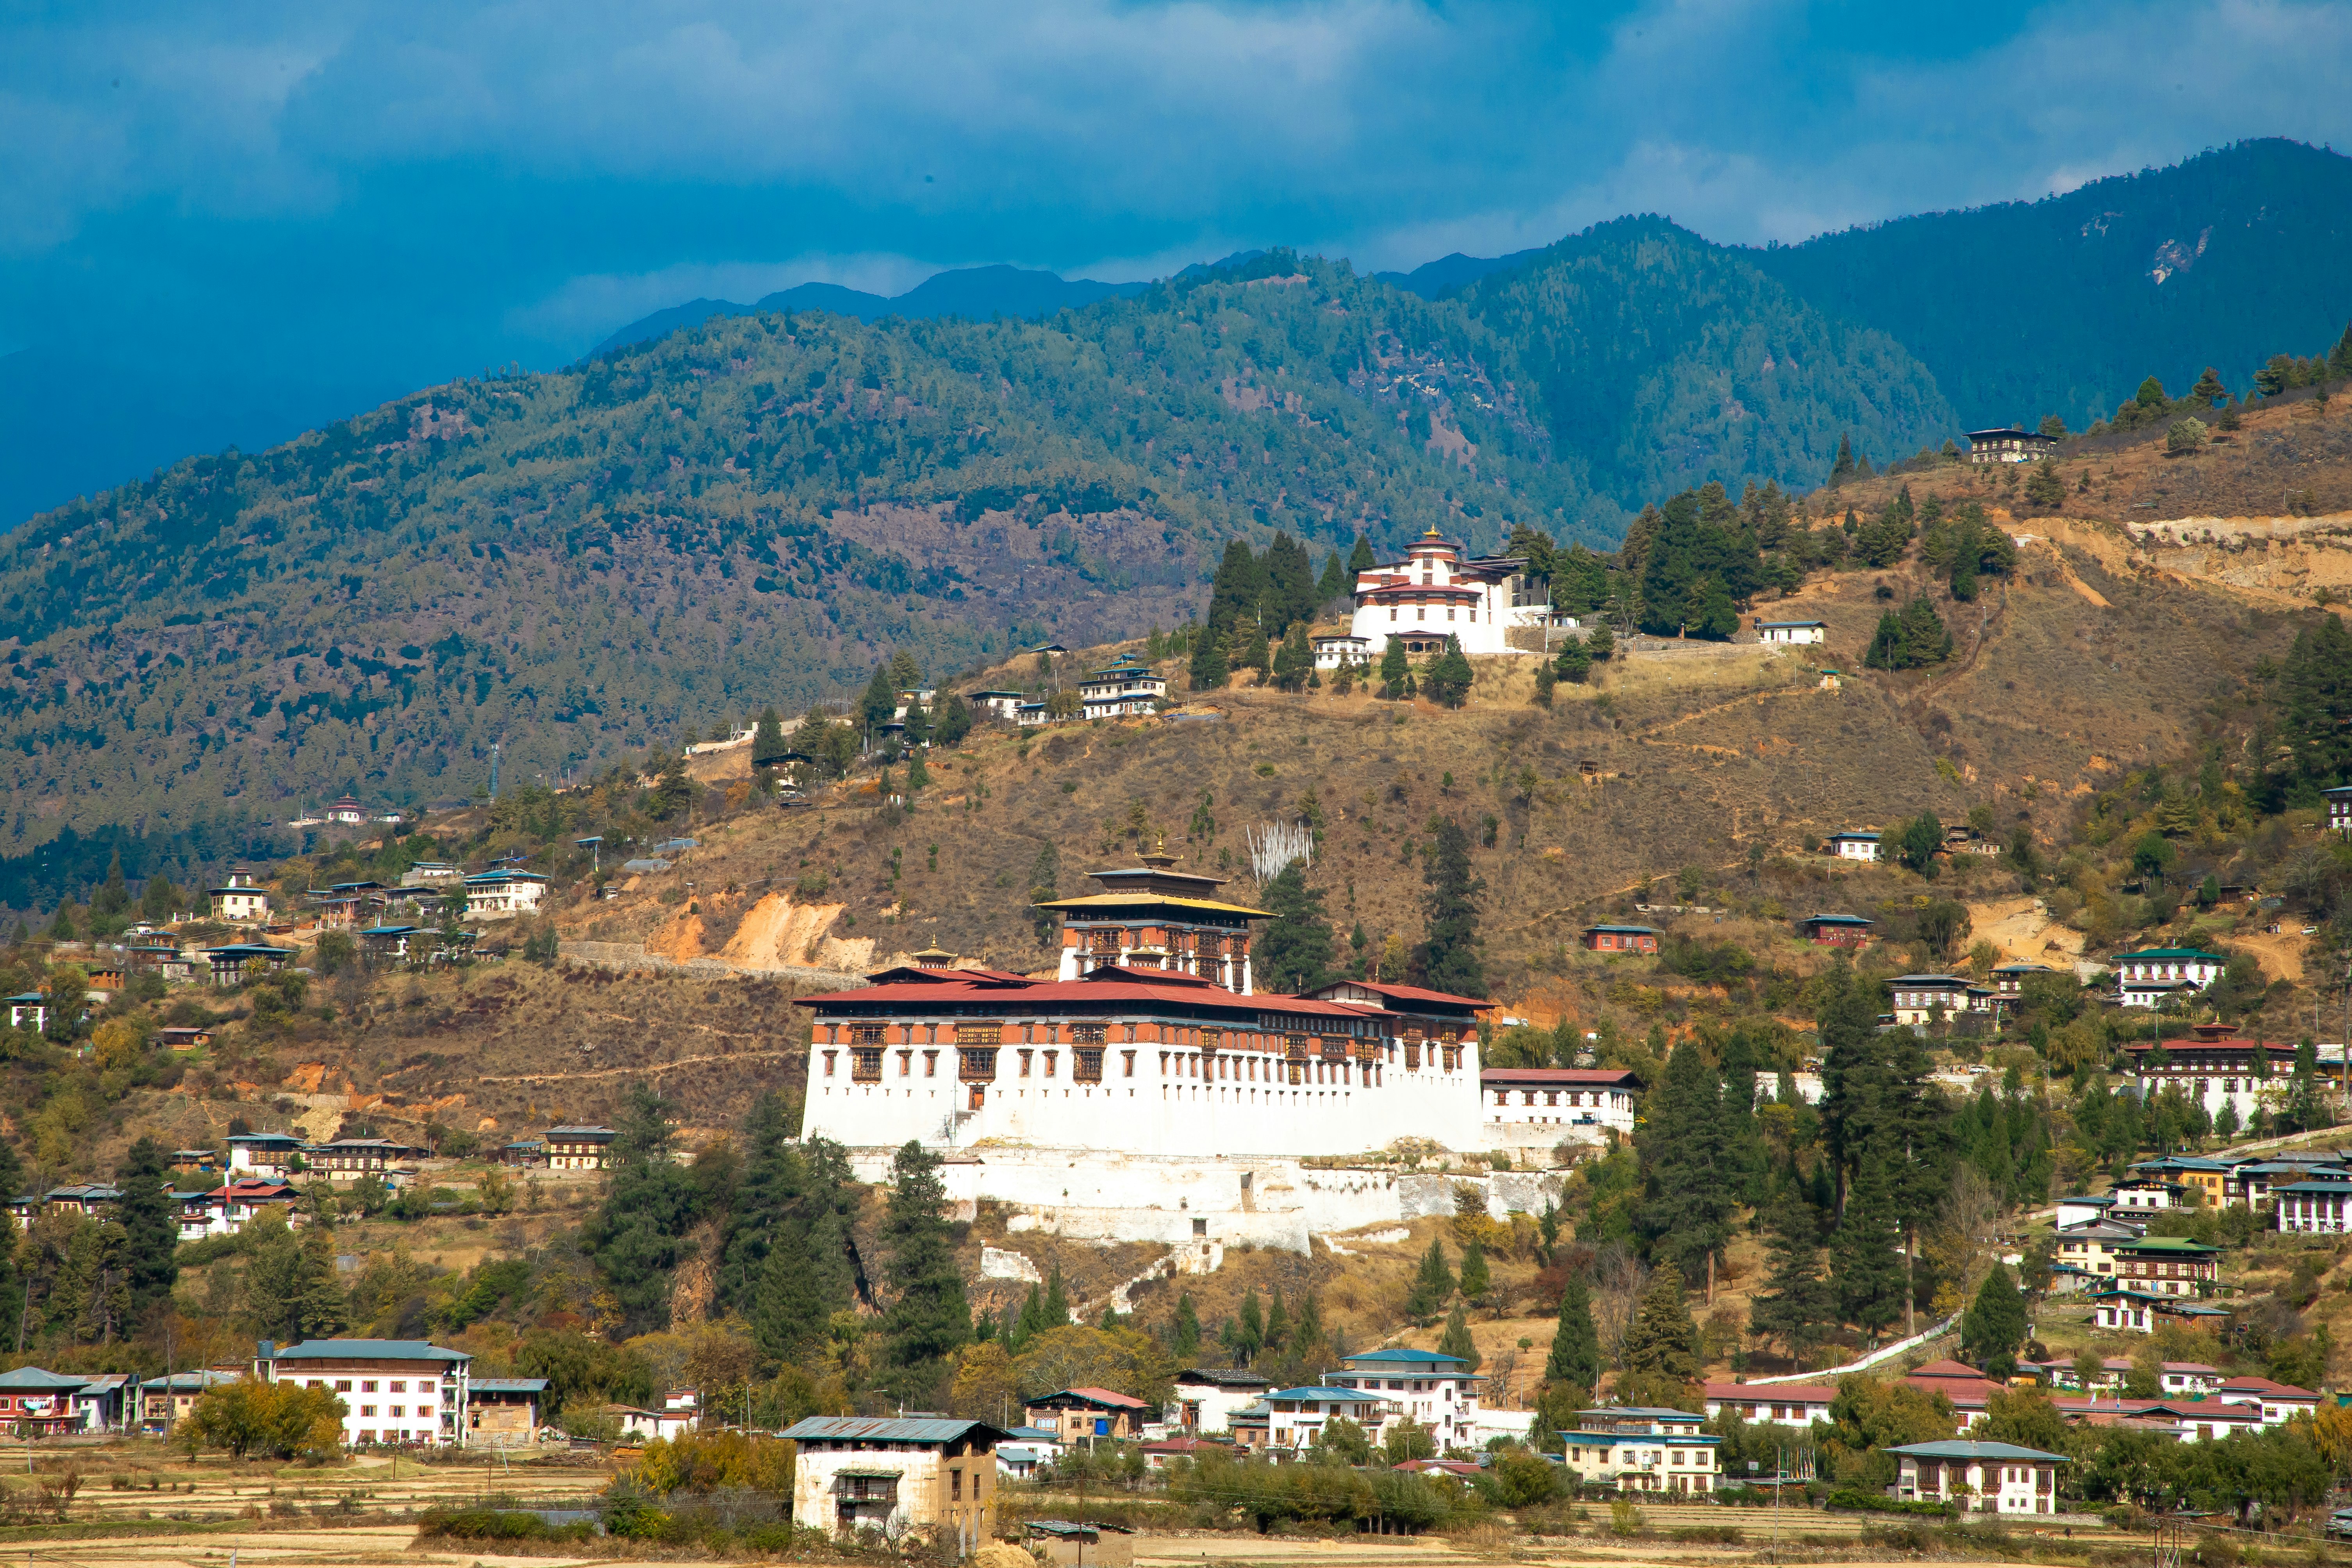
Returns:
point(238, 962)
point(186, 1037)
point(2209, 1177)
point(2151, 975)
point(1621, 939)
point(2139, 1311)
point(497, 895)
point(40, 1404)
point(395, 1391)
point(2340, 808)
point(525, 1154)
point(263, 1154)
point(1838, 930)
point(228, 1209)
point(1792, 631)
point(2091, 1247)
point(2277, 1402)
point(240, 901)
point(1852, 846)
point(993, 704)
point(1428, 1388)
point(1932, 998)
point(351, 1159)
point(2009, 446)
point(28, 1010)
point(1298, 1413)
point(2213, 1069)
point(1128, 686)
point(192, 1163)
point(161, 1401)
point(1077, 1413)
point(348, 810)
point(1340, 650)
point(2316, 1207)
point(1985, 1477)
point(2167, 1264)
point(1438, 592)
point(2083, 1209)
point(2148, 1194)
point(1642, 1449)
point(854, 1473)
point(1562, 1100)
point(578, 1148)
point(1969, 1389)
point(1204, 1398)
point(1777, 1404)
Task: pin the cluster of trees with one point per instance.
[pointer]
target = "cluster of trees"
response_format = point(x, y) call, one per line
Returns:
point(1909, 637)
point(1259, 602)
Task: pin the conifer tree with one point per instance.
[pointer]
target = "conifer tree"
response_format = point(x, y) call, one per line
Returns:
point(804, 1282)
point(320, 1309)
point(1447, 679)
point(1576, 1343)
point(1307, 1333)
point(1335, 583)
point(1361, 559)
point(1431, 1286)
point(1477, 1279)
point(1796, 1307)
point(1277, 1325)
point(1664, 1341)
point(1863, 1259)
point(1993, 1327)
point(955, 721)
point(151, 1231)
point(768, 745)
point(158, 901)
point(1249, 1328)
point(1600, 643)
point(930, 1317)
point(1056, 1311)
point(1295, 953)
point(1290, 596)
point(1447, 956)
point(1258, 657)
point(1690, 1188)
point(1295, 661)
point(1842, 469)
point(879, 705)
point(1184, 1340)
point(1396, 672)
point(1456, 1339)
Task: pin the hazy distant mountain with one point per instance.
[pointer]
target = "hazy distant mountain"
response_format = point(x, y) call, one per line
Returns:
point(2062, 306)
point(1433, 280)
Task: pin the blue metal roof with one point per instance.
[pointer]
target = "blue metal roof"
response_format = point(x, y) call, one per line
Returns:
point(1402, 1357)
point(34, 1379)
point(1955, 1448)
point(1324, 1392)
point(368, 1350)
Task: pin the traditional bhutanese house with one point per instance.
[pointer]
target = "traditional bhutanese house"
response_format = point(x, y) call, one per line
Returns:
point(2147, 977)
point(2146, 1193)
point(395, 1391)
point(28, 1010)
point(1204, 1398)
point(1027, 714)
point(1642, 1448)
point(1987, 1477)
point(1621, 939)
point(2211, 1177)
point(1153, 916)
point(192, 1163)
point(1299, 1414)
point(525, 1154)
point(1969, 1389)
point(151, 957)
point(2168, 1266)
point(503, 1412)
point(232, 962)
point(2143, 1311)
point(2083, 1208)
point(1333, 650)
point(500, 893)
point(343, 906)
point(161, 1401)
point(1560, 1099)
point(351, 1159)
point(2340, 808)
point(2010, 446)
point(1775, 1404)
point(263, 1154)
point(1128, 686)
point(1924, 998)
point(1080, 1412)
point(1429, 1387)
point(1157, 1455)
point(994, 704)
point(857, 1473)
point(2315, 1207)
point(2091, 1247)
point(1020, 1461)
point(2213, 1069)
point(185, 1037)
point(2278, 1402)
point(1838, 930)
point(578, 1148)
point(105, 974)
point(347, 810)
point(2192, 1420)
point(2009, 979)
point(384, 942)
point(89, 1198)
point(2251, 1181)
point(240, 900)
point(1249, 1426)
point(1852, 846)
point(1792, 631)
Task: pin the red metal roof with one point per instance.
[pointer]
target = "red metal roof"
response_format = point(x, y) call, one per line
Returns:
point(1091, 996)
point(1092, 1396)
point(1415, 994)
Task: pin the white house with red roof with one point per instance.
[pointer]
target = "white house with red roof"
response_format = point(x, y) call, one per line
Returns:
point(1440, 591)
point(2278, 1402)
point(1544, 1105)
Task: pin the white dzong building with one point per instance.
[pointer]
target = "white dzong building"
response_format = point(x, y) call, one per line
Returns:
point(1439, 590)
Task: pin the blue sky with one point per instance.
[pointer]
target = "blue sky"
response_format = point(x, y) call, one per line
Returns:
point(224, 222)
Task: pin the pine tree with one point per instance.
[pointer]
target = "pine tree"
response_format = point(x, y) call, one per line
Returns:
point(1863, 1259)
point(879, 705)
point(321, 1310)
point(1335, 584)
point(1307, 1333)
point(1600, 643)
point(1446, 682)
point(1431, 1286)
point(1290, 596)
point(1477, 1280)
point(1185, 1340)
point(1056, 1311)
point(1258, 656)
point(1396, 672)
point(1842, 469)
point(1447, 958)
point(1361, 559)
point(158, 901)
point(1296, 660)
point(1277, 1325)
point(1250, 1328)
point(2209, 389)
point(114, 897)
point(1576, 1343)
point(1689, 1187)
point(1295, 953)
point(152, 1230)
point(1237, 592)
point(1797, 1306)
point(955, 721)
point(1456, 1339)
point(1208, 671)
point(805, 1282)
point(930, 1317)
point(1993, 1327)
point(1664, 1341)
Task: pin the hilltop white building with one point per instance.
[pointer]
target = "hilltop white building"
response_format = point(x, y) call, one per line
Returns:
point(1437, 591)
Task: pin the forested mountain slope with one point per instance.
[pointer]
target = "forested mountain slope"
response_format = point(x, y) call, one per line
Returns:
point(1668, 361)
point(756, 510)
point(2062, 306)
